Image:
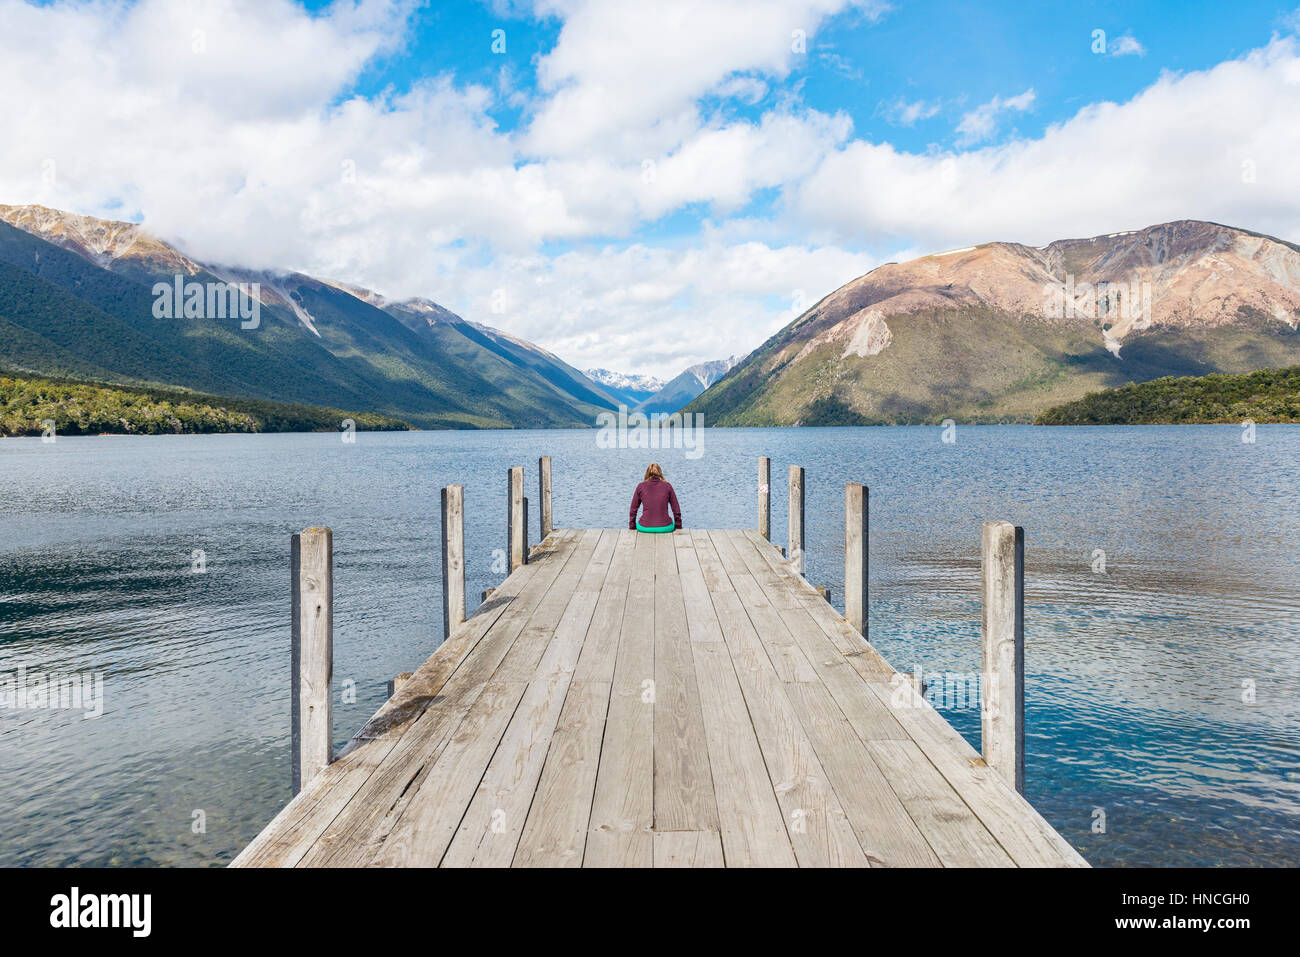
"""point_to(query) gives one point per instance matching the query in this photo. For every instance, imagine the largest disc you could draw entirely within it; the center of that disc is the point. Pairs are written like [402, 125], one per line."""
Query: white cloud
[903, 112]
[626, 74]
[1178, 150]
[657, 310]
[982, 122]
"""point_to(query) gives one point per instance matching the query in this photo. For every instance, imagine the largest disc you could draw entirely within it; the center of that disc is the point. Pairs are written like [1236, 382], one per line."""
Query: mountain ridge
[320, 342]
[970, 333]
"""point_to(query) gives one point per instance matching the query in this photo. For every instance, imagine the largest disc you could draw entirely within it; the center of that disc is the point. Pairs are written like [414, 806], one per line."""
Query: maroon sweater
[653, 497]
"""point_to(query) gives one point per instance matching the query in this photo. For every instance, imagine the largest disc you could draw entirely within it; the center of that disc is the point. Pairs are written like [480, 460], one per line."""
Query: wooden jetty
[674, 700]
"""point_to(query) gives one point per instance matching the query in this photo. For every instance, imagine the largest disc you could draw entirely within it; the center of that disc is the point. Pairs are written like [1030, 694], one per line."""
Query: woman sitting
[654, 497]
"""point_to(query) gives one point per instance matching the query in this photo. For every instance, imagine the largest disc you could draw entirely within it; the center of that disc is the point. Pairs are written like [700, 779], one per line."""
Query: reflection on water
[1162, 690]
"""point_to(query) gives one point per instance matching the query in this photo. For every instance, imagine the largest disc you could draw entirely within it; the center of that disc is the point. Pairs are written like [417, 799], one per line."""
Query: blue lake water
[1161, 696]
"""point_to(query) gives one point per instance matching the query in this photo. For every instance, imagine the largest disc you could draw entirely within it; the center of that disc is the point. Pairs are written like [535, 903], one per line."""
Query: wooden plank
[884, 828]
[957, 836]
[848, 641]
[683, 785]
[492, 824]
[869, 718]
[787, 657]
[312, 665]
[701, 618]
[751, 822]
[426, 826]
[622, 810]
[819, 830]
[1017, 825]
[1020, 829]
[356, 834]
[514, 598]
[600, 650]
[688, 849]
[525, 656]
[555, 833]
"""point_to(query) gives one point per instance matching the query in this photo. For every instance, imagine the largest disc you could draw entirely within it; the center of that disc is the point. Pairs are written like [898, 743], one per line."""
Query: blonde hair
[653, 471]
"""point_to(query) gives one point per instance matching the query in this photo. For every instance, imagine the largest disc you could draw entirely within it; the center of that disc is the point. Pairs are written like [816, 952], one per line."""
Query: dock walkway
[633, 700]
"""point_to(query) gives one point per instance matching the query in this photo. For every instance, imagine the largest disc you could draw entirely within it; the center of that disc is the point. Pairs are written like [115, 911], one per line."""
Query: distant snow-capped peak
[622, 380]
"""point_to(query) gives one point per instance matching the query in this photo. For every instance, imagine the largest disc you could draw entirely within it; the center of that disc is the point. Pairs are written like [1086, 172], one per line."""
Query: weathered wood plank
[1017, 825]
[526, 654]
[688, 849]
[622, 810]
[751, 822]
[886, 831]
[427, 825]
[819, 830]
[291, 834]
[869, 718]
[555, 833]
[354, 837]
[600, 650]
[952, 829]
[683, 785]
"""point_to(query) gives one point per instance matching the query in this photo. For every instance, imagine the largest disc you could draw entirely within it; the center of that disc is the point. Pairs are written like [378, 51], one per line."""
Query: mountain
[630, 389]
[680, 390]
[1269, 395]
[1002, 331]
[77, 301]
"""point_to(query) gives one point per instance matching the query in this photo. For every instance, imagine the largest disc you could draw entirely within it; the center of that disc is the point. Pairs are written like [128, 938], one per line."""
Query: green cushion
[665, 528]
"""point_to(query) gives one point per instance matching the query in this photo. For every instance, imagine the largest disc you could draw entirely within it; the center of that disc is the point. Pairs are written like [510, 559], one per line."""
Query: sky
[642, 186]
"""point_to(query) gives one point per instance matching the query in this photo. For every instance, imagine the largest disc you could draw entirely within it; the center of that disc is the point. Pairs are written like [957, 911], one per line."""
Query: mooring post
[795, 524]
[453, 558]
[312, 558]
[395, 684]
[525, 530]
[544, 493]
[515, 519]
[1002, 715]
[856, 543]
[765, 497]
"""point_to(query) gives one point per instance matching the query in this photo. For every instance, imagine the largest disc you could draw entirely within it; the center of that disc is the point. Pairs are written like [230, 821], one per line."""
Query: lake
[1162, 610]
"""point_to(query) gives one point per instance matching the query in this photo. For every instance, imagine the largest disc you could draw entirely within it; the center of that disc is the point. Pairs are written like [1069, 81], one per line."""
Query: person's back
[654, 497]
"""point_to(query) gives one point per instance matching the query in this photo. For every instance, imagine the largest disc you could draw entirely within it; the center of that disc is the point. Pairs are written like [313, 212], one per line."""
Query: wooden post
[544, 493]
[515, 521]
[795, 524]
[453, 558]
[856, 543]
[765, 497]
[1002, 715]
[525, 531]
[312, 555]
[395, 685]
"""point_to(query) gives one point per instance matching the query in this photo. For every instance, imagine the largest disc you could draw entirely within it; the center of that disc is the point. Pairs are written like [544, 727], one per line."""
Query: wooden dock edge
[410, 701]
[887, 683]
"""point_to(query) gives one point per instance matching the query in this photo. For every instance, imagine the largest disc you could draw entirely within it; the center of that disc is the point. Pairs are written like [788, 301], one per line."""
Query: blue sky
[624, 167]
